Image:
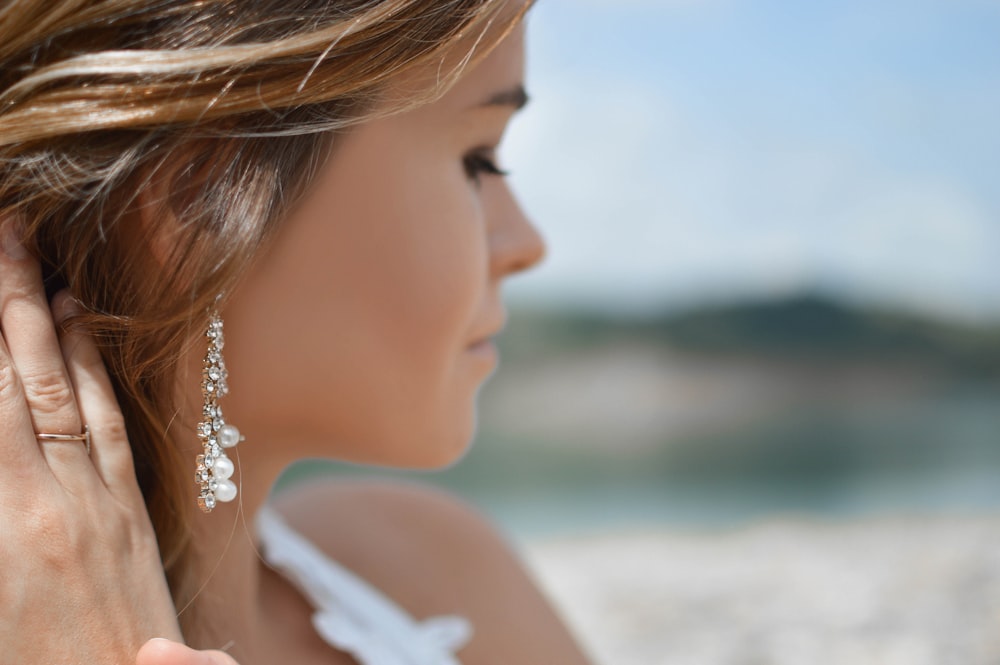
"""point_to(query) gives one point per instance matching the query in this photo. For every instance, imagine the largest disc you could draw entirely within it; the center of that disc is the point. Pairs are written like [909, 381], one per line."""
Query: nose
[515, 244]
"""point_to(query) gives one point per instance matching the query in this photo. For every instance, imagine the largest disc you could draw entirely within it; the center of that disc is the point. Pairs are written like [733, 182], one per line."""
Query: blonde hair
[98, 98]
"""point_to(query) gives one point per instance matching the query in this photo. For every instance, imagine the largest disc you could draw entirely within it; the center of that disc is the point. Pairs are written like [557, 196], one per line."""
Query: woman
[320, 176]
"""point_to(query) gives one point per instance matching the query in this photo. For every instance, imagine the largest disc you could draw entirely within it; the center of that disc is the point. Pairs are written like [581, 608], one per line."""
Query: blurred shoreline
[875, 591]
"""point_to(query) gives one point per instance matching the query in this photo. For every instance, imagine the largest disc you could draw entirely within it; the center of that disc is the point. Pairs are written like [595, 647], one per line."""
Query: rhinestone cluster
[214, 468]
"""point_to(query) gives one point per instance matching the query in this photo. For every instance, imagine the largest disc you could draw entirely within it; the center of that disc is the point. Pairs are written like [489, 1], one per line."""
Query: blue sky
[688, 150]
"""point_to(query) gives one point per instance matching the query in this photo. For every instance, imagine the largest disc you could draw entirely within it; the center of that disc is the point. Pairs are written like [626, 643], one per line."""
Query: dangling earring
[214, 468]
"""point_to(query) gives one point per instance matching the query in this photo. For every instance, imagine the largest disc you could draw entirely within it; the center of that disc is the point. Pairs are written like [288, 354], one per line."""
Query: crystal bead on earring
[213, 467]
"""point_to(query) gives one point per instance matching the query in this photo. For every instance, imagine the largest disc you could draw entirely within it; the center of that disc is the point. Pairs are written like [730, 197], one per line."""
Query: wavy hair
[100, 98]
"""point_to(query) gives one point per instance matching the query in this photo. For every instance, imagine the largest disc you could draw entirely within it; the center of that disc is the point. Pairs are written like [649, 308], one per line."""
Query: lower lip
[485, 349]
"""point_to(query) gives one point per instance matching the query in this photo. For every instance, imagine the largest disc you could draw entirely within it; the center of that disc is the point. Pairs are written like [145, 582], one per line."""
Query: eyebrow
[515, 97]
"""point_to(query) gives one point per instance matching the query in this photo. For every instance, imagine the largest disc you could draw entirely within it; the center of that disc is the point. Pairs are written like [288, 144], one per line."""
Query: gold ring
[85, 437]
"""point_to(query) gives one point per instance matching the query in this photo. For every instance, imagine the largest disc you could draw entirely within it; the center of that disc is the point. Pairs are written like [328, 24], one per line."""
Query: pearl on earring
[229, 436]
[213, 467]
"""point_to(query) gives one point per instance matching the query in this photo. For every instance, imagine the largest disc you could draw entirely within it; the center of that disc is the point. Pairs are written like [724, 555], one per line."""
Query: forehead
[502, 68]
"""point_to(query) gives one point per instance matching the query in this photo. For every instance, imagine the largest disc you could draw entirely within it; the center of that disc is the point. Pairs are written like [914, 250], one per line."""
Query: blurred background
[748, 412]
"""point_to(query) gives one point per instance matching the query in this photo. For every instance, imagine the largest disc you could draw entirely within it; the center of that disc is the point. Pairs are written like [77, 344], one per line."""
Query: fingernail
[12, 246]
[64, 305]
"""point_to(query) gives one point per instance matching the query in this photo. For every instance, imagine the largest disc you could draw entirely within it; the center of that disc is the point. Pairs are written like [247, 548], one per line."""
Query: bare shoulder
[434, 553]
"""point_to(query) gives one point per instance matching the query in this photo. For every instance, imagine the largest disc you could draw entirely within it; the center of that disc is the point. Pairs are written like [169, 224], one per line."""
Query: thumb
[159, 651]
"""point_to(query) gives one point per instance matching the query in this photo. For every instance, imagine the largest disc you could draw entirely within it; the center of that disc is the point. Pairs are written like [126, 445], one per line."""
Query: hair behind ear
[151, 148]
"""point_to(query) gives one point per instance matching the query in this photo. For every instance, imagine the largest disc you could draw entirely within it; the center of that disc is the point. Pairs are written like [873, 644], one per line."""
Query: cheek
[415, 257]
[355, 321]
[416, 262]
[422, 303]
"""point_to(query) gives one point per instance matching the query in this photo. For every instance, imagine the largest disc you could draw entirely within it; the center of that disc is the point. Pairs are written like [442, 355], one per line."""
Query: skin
[384, 276]
[72, 524]
[351, 337]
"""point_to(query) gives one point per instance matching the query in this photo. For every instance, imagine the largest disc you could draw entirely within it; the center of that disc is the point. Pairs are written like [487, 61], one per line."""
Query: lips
[491, 331]
[483, 340]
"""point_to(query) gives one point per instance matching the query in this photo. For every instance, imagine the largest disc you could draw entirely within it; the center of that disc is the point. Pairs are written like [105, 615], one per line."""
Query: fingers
[110, 452]
[19, 449]
[159, 651]
[53, 382]
[33, 348]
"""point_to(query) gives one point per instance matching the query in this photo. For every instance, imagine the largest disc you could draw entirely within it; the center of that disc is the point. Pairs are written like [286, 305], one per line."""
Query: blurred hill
[725, 413]
[807, 326]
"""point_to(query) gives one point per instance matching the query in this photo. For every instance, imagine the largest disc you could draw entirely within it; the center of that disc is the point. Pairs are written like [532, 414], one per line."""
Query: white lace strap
[352, 614]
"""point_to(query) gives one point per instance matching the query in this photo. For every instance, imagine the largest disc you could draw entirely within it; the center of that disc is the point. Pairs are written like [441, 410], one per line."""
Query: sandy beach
[915, 591]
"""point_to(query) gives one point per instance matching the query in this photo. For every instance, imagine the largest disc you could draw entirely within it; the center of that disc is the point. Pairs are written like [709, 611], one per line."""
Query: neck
[225, 572]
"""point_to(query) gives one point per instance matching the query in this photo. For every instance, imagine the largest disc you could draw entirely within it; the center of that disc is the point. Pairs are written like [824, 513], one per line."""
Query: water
[938, 454]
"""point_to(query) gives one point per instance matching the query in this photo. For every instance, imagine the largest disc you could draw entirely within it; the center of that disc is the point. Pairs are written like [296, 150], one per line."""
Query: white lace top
[351, 614]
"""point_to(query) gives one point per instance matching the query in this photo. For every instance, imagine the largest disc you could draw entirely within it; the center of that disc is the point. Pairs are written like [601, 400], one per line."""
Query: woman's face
[353, 334]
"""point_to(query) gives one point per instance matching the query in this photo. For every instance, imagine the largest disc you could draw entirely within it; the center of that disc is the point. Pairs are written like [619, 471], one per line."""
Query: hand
[81, 580]
[165, 652]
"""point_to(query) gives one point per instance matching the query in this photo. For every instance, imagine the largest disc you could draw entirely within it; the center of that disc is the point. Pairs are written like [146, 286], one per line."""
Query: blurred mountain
[726, 413]
[805, 327]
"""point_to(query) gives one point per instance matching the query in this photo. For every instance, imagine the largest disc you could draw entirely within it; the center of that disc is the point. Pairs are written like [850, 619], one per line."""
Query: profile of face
[353, 335]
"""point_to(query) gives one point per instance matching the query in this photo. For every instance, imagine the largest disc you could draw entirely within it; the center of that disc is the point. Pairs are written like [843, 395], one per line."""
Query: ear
[165, 192]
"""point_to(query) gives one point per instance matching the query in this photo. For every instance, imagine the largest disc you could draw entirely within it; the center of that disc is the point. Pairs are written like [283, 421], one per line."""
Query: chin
[440, 448]
[434, 443]
[441, 452]
[451, 456]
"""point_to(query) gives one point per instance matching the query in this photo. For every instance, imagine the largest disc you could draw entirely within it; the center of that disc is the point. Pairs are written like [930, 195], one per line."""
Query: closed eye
[479, 163]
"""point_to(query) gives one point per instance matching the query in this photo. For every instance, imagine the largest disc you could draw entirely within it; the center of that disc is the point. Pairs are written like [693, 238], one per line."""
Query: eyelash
[478, 163]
